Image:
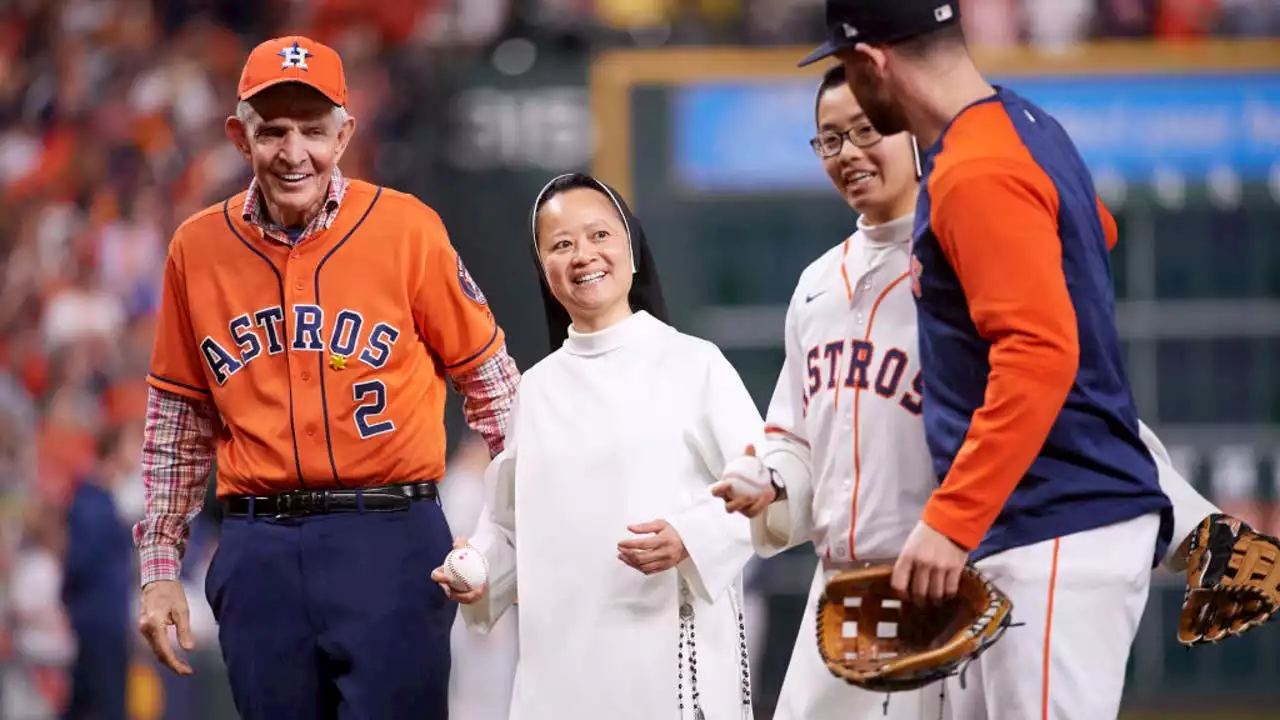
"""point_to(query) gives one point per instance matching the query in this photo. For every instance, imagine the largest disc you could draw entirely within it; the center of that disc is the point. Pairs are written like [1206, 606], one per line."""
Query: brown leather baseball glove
[1233, 580]
[870, 638]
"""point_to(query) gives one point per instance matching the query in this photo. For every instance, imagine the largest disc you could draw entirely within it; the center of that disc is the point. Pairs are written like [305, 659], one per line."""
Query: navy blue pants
[334, 616]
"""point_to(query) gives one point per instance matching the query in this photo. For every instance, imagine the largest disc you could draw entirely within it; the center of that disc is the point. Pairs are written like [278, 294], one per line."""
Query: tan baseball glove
[870, 638]
[1233, 580]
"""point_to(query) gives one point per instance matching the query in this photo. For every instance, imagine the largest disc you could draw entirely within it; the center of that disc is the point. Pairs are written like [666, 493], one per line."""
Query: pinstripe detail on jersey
[320, 357]
[857, 392]
[284, 324]
[844, 272]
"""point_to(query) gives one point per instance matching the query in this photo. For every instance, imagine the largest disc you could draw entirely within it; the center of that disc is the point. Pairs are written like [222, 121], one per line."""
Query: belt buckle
[296, 504]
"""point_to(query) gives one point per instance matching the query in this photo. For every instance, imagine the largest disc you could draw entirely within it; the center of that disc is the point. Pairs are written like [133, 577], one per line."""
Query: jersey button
[859, 317]
[297, 286]
[306, 376]
[311, 431]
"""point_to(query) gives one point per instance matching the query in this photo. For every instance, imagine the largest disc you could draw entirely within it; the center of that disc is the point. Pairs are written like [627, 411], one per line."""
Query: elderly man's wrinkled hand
[164, 603]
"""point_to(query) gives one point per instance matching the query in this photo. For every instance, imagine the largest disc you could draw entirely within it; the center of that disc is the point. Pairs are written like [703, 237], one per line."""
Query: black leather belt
[298, 503]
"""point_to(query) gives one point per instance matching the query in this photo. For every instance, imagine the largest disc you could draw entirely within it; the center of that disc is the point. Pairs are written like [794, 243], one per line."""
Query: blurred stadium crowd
[111, 115]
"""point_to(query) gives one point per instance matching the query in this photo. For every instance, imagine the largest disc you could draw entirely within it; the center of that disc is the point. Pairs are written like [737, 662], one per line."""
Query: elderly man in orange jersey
[309, 329]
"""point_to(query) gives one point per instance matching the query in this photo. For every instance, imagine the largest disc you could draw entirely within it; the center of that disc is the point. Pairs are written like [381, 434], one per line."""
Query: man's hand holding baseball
[928, 570]
[661, 550]
[163, 604]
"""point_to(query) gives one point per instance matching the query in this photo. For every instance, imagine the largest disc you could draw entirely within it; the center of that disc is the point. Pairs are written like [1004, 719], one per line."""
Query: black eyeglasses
[829, 143]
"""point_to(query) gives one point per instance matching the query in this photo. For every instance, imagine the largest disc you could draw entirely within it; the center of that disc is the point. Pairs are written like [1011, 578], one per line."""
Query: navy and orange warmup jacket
[1029, 414]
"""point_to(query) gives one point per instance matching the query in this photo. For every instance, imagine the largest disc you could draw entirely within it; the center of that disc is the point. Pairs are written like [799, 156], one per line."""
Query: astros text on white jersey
[849, 400]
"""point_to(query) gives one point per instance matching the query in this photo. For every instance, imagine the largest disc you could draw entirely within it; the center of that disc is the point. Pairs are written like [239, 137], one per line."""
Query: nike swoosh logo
[811, 298]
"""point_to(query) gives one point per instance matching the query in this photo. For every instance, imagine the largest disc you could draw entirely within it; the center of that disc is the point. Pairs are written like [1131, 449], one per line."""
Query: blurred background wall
[111, 117]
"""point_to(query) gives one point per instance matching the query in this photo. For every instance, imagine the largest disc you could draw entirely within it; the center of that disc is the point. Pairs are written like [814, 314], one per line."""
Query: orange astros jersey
[327, 361]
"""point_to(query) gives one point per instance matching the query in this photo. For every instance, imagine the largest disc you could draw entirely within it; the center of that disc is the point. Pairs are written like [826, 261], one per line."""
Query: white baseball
[467, 568]
[747, 476]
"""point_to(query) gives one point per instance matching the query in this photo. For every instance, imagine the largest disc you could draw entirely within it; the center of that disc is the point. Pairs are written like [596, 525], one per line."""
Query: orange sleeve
[449, 307]
[176, 364]
[1109, 227]
[997, 225]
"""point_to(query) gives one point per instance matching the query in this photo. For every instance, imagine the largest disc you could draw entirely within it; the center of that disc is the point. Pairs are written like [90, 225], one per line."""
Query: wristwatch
[779, 487]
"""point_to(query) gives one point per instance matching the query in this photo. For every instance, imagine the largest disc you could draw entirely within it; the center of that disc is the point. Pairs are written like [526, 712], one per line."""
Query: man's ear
[345, 133]
[875, 56]
[238, 134]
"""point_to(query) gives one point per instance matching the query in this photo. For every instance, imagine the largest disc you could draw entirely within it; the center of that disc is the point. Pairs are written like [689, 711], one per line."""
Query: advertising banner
[749, 136]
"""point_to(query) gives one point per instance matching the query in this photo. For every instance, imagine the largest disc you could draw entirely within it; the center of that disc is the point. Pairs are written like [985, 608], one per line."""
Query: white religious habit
[627, 425]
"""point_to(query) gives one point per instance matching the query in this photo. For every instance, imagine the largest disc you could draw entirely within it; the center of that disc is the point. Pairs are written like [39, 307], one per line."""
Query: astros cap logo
[294, 59]
[294, 55]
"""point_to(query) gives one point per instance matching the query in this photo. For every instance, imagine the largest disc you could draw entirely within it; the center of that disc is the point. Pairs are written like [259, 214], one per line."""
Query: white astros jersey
[845, 433]
[850, 390]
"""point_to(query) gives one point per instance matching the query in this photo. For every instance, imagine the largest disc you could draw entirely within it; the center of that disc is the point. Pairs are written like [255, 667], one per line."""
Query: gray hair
[249, 116]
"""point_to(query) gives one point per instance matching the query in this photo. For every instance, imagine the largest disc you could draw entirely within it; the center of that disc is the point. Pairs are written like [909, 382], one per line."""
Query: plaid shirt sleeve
[178, 452]
[488, 391]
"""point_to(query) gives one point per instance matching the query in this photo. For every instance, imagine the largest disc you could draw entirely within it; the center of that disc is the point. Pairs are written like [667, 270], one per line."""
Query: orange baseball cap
[294, 59]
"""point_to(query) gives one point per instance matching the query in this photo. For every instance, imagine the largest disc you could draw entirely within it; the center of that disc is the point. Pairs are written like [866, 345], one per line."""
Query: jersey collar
[255, 214]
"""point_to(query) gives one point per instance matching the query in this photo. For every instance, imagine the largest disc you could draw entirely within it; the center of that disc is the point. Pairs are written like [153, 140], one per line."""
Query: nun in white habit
[628, 570]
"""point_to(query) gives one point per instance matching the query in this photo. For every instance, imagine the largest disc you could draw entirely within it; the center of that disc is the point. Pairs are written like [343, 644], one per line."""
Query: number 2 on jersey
[367, 410]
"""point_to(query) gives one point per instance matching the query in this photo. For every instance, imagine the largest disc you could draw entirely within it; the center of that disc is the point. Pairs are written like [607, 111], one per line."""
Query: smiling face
[879, 181]
[586, 257]
[293, 143]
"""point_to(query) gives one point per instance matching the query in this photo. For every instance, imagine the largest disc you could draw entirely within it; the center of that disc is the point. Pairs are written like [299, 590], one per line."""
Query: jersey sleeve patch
[469, 286]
